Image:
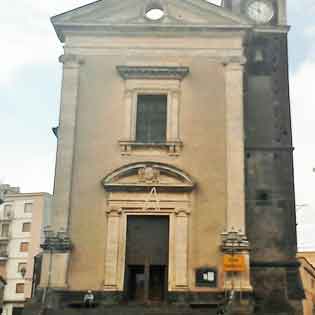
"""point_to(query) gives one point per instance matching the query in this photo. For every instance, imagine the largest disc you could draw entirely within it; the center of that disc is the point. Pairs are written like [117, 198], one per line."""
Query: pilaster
[66, 141]
[235, 144]
[181, 249]
[111, 282]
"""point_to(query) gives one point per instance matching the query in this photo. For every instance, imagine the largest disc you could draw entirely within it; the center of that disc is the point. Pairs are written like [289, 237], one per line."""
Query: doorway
[147, 249]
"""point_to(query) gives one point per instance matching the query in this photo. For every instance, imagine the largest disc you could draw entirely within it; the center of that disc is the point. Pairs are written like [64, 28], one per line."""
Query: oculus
[154, 14]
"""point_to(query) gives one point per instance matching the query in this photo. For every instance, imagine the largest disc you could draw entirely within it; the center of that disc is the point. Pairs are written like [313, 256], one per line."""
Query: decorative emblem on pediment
[148, 175]
[140, 176]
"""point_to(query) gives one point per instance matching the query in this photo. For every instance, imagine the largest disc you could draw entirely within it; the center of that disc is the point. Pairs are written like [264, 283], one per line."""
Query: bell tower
[269, 157]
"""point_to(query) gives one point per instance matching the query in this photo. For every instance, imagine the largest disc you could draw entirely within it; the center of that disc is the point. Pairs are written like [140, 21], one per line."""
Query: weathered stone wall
[270, 216]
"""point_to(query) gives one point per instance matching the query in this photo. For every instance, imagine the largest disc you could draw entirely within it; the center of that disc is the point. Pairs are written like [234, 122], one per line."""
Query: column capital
[114, 212]
[234, 63]
[71, 60]
[182, 212]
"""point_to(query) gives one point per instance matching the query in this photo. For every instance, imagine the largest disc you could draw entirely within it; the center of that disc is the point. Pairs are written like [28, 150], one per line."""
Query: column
[112, 250]
[66, 140]
[173, 116]
[235, 145]
[181, 250]
[128, 128]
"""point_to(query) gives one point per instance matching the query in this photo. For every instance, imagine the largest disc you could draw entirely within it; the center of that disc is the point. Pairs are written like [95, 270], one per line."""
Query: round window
[154, 14]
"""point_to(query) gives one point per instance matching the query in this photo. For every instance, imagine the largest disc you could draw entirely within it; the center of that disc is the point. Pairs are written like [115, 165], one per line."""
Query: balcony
[4, 255]
[6, 216]
[5, 237]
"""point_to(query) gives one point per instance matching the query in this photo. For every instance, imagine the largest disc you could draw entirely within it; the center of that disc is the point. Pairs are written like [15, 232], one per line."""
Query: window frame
[20, 265]
[7, 208]
[26, 224]
[31, 204]
[21, 247]
[137, 140]
[20, 284]
[170, 88]
[2, 230]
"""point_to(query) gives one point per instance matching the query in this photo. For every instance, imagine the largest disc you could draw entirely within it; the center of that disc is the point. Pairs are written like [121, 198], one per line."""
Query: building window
[5, 230]
[152, 100]
[28, 207]
[24, 247]
[19, 288]
[151, 118]
[3, 250]
[21, 267]
[7, 211]
[26, 227]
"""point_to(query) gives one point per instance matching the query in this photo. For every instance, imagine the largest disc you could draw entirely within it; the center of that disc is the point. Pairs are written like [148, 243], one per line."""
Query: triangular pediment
[131, 13]
[141, 176]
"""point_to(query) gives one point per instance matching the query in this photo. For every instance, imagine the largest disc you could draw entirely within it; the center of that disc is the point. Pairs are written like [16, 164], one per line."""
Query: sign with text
[234, 263]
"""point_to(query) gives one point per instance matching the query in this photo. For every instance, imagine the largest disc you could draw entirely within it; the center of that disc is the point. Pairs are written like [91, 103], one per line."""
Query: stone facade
[204, 177]
[307, 271]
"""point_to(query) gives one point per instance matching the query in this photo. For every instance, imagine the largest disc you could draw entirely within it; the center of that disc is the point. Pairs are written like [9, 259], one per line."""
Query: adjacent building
[22, 216]
[174, 175]
[307, 270]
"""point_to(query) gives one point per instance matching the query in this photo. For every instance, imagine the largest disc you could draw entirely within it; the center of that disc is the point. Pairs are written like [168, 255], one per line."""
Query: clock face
[260, 11]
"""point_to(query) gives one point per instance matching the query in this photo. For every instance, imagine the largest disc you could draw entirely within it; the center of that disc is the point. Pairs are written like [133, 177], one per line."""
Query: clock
[260, 11]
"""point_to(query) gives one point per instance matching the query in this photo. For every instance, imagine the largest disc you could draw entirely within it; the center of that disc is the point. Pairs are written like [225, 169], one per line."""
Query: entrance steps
[123, 310]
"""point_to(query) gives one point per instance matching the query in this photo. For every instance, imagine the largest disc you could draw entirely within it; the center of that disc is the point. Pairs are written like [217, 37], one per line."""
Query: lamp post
[233, 242]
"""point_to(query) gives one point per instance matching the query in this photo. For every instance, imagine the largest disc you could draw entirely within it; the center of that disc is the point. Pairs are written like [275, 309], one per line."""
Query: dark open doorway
[147, 258]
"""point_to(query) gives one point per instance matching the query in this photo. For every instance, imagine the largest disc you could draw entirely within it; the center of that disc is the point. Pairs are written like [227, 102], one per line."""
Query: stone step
[123, 310]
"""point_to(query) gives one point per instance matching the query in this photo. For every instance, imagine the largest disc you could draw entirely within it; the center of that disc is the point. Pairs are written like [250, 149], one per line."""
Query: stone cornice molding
[71, 60]
[182, 212]
[149, 72]
[114, 212]
[235, 62]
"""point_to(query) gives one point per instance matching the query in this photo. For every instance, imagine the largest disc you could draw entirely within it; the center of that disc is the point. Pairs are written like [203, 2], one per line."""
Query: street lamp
[233, 244]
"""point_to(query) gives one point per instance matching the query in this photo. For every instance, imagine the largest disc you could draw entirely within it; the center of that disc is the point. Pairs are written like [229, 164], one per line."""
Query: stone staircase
[36, 309]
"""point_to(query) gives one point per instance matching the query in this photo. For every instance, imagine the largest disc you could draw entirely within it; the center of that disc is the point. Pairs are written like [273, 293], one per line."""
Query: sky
[30, 91]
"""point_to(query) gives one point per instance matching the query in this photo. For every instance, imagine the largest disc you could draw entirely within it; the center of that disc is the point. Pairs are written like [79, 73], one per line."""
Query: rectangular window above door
[151, 118]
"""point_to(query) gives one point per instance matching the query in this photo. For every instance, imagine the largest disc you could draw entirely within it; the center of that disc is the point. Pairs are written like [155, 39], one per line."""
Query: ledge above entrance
[145, 175]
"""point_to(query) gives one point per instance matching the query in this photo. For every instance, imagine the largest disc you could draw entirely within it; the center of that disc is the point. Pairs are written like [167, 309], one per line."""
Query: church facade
[174, 176]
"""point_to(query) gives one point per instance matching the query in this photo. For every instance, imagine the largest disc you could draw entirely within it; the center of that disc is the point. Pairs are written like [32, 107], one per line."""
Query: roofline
[305, 252]
[59, 24]
[307, 261]
[72, 10]
[21, 195]
[225, 11]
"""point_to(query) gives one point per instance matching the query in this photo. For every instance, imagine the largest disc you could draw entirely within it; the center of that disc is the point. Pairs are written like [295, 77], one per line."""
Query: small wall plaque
[206, 277]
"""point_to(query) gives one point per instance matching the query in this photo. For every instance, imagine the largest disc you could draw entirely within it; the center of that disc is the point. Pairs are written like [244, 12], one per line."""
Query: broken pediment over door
[141, 176]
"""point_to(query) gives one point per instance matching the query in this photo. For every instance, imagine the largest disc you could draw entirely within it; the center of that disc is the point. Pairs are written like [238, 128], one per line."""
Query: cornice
[64, 30]
[71, 60]
[139, 72]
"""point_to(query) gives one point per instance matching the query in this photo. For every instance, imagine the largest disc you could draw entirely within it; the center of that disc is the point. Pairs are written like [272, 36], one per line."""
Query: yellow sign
[234, 263]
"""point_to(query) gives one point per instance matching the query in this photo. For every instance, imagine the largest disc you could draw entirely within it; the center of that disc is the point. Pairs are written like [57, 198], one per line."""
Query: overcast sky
[30, 88]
